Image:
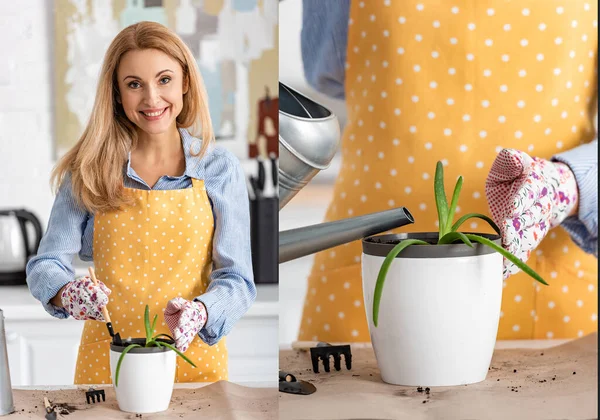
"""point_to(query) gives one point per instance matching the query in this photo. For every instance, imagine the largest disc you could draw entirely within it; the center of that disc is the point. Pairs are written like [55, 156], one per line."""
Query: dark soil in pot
[141, 342]
[381, 245]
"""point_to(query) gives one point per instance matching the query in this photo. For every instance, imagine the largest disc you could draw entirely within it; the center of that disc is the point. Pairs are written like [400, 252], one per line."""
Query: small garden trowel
[50, 412]
[116, 337]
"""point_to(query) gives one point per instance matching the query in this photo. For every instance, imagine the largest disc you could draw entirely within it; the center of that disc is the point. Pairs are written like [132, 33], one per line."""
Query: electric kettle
[16, 246]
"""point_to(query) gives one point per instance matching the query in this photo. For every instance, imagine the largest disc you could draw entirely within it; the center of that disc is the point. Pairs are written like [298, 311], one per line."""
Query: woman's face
[151, 89]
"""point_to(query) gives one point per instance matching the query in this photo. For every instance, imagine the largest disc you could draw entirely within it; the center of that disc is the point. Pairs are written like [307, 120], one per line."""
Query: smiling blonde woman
[159, 209]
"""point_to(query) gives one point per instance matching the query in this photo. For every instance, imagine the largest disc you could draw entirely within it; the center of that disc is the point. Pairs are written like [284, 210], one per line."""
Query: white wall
[26, 106]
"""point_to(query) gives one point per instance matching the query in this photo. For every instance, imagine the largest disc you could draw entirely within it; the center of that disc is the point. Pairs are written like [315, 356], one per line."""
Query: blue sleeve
[583, 227]
[52, 267]
[323, 40]
[231, 290]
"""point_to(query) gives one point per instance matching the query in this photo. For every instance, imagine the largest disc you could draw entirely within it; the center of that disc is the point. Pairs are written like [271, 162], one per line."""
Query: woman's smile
[153, 114]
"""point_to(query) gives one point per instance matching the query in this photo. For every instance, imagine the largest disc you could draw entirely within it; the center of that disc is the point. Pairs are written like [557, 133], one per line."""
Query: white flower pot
[146, 378]
[439, 310]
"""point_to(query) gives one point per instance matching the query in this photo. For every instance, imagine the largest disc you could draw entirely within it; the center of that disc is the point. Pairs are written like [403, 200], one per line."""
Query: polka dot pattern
[474, 82]
[156, 250]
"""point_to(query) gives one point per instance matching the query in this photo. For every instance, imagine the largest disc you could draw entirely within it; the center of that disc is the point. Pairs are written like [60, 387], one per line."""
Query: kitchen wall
[26, 106]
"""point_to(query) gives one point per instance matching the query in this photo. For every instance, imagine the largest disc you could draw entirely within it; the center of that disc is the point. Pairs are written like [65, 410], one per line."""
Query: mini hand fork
[324, 350]
[288, 383]
[94, 395]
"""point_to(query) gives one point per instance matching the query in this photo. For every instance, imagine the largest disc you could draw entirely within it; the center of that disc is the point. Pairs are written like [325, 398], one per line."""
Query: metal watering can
[309, 136]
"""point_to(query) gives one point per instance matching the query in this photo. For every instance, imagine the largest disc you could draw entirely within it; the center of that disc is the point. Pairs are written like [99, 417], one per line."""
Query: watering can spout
[296, 243]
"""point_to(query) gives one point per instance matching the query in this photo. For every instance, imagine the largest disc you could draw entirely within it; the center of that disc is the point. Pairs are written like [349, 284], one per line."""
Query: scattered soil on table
[65, 409]
[213, 401]
[544, 378]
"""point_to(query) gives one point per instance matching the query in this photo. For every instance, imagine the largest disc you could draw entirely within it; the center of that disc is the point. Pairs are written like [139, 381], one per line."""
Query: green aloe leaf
[147, 323]
[524, 267]
[179, 353]
[450, 237]
[163, 335]
[440, 197]
[454, 203]
[154, 324]
[152, 343]
[383, 273]
[129, 347]
[477, 216]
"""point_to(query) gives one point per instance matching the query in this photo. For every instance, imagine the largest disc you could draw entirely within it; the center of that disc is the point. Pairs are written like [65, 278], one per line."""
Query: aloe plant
[448, 234]
[151, 341]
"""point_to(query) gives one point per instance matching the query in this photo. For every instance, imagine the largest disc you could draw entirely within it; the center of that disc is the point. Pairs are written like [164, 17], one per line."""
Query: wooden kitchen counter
[559, 382]
[219, 400]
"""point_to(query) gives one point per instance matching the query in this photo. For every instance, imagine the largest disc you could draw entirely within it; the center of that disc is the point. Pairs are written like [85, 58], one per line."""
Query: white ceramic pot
[439, 310]
[146, 378]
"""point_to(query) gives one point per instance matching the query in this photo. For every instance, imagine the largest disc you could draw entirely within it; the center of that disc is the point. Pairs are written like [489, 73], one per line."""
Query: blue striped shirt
[231, 290]
[324, 38]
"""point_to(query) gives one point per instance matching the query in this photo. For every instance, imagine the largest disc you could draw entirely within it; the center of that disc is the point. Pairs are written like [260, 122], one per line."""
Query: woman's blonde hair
[97, 160]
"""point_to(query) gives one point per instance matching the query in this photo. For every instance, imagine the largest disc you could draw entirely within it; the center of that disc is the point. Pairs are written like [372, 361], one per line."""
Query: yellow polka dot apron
[158, 249]
[457, 82]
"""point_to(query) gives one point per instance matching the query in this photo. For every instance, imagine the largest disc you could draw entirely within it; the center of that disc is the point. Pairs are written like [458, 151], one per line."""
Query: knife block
[264, 232]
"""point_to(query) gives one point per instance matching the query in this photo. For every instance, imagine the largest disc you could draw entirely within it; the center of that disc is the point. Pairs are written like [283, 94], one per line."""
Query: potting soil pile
[221, 400]
[554, 383]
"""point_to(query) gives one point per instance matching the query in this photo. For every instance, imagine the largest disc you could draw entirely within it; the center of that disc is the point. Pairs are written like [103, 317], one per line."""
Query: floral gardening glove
[84, 300]
[185, 320]
[528, 197]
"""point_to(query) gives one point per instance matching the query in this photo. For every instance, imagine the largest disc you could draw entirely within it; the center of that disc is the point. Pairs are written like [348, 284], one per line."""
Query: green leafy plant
[151, 341]
[448, 234]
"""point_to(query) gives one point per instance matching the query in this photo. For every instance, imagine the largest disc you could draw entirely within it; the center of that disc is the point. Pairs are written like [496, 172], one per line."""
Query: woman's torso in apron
[429, 81]
[149, 254]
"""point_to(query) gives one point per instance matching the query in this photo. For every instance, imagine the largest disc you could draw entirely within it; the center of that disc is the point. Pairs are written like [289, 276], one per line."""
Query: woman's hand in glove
[528, 197]
[84, 300]
[185, 320]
